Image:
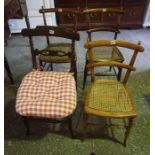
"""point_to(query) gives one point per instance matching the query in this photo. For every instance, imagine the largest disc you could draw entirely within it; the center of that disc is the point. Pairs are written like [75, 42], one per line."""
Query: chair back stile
[45, 23]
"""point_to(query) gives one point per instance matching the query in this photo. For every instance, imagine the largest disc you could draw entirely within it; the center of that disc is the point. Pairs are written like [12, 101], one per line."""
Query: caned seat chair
[71, 15]
[47, 95]
[107, 98]
[104, 53]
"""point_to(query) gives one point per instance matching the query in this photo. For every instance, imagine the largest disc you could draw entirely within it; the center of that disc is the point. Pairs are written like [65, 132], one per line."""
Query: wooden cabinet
[16, 9]
[132, 18]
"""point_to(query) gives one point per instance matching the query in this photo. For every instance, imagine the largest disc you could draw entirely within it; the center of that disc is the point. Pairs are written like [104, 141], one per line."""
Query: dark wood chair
[55, 53]
[71, 14]
[104, 53]
[47, 95]
[110, 99]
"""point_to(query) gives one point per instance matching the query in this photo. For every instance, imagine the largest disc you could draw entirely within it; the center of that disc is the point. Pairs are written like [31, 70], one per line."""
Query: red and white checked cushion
[46, 94]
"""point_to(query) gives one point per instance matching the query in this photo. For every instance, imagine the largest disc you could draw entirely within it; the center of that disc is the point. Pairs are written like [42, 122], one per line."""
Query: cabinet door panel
[133, 15]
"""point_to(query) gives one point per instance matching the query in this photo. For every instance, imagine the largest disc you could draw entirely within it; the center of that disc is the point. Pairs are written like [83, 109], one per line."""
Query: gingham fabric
[46, 94]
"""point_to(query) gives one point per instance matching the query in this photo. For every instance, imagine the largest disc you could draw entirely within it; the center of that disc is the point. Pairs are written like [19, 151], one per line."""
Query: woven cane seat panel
[111, 97]
[106, 54]
[61, 47]
[46, 94]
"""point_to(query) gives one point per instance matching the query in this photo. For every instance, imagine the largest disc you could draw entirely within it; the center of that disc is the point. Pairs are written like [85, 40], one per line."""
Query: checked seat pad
[46, 94]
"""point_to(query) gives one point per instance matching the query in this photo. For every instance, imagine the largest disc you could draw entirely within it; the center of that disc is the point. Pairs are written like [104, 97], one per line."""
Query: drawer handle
[92, 15]
[110, 15]
[132, 13]
[70, 16]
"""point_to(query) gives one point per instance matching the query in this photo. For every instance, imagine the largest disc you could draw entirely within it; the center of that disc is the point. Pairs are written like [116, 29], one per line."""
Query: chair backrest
[119, 43]
[69, 12]
[49, 31]
[104, 14]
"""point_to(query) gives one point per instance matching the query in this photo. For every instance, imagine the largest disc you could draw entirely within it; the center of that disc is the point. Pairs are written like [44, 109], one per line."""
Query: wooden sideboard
[132, 18]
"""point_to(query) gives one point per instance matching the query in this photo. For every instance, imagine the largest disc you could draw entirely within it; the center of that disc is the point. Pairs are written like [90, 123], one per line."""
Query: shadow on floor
[147, 98]
[15, 129]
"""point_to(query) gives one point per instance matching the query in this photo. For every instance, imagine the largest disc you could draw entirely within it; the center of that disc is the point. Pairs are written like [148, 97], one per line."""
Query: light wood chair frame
[129, 67]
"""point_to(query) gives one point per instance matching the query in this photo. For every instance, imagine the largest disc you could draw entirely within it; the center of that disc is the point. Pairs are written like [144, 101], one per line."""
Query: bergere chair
[107, 98]
[104, 53]
[47, 95]
[71, 15]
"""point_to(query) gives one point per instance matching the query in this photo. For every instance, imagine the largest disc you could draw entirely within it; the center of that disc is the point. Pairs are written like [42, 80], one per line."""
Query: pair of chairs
[51, 96]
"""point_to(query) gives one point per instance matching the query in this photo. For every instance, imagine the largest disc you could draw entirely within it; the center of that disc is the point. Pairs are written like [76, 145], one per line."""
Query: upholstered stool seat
[46, 94]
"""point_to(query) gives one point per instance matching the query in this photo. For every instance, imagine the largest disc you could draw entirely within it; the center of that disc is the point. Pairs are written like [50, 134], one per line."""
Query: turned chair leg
[69, 122]
[128, 129]
[85, 120]
[75, 72]
[26, 123]
[73, 68]
[85, 75]
[51, 66]
[119, 74]
[110, 68]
